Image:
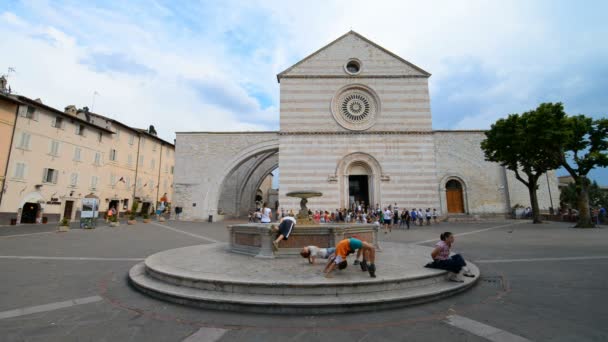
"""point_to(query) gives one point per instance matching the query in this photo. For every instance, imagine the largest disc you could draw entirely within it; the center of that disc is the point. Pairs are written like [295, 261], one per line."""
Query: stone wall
[204, 160]
[406, 173]
[488, 188]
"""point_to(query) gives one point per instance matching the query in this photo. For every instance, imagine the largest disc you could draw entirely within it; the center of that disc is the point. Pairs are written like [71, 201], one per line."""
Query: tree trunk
[534, 202]
[584, 216]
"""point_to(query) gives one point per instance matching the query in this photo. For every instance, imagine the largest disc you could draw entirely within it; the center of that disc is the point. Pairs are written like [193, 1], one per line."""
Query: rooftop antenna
[95, 93]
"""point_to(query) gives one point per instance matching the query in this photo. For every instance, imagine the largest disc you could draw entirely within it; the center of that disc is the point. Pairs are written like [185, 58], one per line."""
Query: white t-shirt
[387, 214]
[266, 215]
[318, 252]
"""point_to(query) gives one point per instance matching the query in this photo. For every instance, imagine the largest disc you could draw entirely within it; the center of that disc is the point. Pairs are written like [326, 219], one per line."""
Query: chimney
[71, 109]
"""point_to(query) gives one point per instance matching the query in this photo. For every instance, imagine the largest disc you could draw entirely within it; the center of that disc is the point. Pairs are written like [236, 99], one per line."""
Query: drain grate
[494, 281]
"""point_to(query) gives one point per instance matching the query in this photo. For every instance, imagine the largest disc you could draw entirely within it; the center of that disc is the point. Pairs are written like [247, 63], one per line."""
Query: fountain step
[294, 304]
[209, 276]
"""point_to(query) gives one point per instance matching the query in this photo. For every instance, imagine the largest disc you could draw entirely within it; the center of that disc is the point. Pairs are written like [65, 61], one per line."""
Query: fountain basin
[255, 239]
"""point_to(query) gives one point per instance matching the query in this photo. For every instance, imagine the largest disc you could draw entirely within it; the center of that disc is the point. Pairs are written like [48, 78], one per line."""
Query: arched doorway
[29, 212]
[358, 175]
[454, 198]
[358, 184]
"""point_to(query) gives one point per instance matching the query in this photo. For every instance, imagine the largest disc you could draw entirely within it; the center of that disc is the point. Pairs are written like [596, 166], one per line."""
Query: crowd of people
[388, 217]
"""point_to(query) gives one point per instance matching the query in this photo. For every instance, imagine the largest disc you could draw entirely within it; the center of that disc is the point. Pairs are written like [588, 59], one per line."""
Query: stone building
[355, 124]
[53, 158]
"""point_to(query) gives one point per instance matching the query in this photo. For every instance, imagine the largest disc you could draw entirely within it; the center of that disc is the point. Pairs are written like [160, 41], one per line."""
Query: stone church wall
[307, 161]
[203, 160]
[459, 156]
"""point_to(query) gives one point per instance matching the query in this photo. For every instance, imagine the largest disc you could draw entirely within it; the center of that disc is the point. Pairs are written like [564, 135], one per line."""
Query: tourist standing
[420, 216]
[387, 220]
[266, 214]
[428, 216]
[434, 215]
[413, 214]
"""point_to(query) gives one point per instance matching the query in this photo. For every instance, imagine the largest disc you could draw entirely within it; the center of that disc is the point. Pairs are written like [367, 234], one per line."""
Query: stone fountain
[245, 274]
[303, 217]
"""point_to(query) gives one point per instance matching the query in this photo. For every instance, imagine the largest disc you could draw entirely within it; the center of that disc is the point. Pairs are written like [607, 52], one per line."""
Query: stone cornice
[355, 77]
[360, 133]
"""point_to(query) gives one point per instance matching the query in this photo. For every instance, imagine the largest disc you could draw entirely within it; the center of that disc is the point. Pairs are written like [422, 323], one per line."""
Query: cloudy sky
[212, 65]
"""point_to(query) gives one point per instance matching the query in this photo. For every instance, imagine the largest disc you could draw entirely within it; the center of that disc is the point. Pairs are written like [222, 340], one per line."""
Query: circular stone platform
[210, 276]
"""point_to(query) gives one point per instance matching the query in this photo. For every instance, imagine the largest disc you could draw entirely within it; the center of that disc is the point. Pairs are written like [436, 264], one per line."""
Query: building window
[125, 204]
[80, 130]
[171, 169]
[30, 112]
[54, 148]
[94, 180]
[74, 180]
[141, 160]
[58, 122]
[24, 142]
[151, 184]
[130, 160]
[77, 151]
[166, 168]
[117, 135]
[99, 136]
[131, 138]
[50, 176]
[19, 171]
[143, 142]
[112, 179]
[167, 152]
[98, 158]
[128, 181]
[112, 154]
[154, 146]
[152, 164]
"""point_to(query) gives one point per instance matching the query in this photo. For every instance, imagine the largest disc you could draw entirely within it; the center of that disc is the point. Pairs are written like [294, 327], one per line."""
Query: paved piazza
[539, 283]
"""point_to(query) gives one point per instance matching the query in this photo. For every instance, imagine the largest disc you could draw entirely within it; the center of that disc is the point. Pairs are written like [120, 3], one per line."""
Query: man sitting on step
[350, 245]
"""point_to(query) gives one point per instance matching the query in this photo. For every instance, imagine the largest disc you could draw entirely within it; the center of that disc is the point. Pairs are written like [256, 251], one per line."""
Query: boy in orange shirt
[350, 245]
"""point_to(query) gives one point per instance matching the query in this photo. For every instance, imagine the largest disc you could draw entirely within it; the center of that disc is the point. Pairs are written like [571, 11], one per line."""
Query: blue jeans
[454, 264]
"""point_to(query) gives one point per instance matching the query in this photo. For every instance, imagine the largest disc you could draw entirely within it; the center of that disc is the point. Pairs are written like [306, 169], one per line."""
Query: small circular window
[353, 67]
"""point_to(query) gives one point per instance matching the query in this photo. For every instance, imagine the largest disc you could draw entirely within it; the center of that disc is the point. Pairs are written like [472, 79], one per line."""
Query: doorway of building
[145, 208]
[67, 211]
[29, 212]
[453, 191]
[358, 189]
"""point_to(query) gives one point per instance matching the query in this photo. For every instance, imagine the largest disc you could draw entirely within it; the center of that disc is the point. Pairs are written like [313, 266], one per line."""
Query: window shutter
[55, 174]
[53, 122]
[23, 111]
[44, 172]
[24, 171]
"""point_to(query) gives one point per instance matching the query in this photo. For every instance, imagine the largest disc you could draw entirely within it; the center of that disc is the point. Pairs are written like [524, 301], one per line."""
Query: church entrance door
[358, 189]
[453, 190]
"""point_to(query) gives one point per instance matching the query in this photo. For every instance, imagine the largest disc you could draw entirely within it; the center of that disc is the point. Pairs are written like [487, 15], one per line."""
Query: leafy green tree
[569, 195]
[586, 144]
[526, 145]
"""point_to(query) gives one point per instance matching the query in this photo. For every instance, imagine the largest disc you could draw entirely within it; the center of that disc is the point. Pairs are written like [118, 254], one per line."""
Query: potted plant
[64, 225]
[146, 217]
[114, 221]
[132, 220]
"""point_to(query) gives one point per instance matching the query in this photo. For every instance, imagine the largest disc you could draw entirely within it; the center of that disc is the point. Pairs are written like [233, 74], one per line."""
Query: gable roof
[351, 32]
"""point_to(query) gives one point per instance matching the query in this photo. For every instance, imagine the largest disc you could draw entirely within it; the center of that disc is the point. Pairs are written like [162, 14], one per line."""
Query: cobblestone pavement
[543, 282]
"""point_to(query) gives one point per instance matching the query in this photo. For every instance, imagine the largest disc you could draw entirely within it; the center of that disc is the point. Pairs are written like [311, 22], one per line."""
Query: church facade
[356, 125]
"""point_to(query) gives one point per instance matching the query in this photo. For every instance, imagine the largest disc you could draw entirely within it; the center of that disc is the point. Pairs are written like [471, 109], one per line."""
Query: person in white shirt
[286, 225]
[313, 252]
[387, 216]
[266, 214]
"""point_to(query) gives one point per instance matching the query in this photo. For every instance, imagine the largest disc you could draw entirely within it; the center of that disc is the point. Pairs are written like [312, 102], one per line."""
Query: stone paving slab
[216, 263]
